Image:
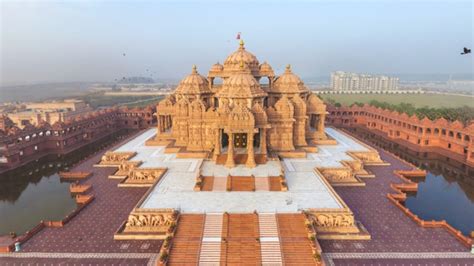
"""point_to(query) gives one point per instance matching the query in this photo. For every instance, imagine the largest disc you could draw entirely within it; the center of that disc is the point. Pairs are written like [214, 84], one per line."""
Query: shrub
[164, 256]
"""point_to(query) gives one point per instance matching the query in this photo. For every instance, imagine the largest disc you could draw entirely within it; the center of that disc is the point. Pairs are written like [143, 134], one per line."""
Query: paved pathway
[391, 229]
[92, 230]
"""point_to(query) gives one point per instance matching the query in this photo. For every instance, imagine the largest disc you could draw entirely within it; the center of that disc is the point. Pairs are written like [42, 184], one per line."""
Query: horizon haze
[85, 41]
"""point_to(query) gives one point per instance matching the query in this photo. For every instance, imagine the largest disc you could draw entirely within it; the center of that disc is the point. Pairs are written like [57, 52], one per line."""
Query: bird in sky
[466, 51]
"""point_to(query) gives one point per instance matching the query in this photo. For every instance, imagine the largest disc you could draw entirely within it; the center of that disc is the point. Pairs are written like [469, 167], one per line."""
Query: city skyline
[85, 41]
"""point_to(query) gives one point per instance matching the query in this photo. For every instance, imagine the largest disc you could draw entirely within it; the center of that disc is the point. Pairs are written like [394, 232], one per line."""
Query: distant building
[50, 112]
[346, 81]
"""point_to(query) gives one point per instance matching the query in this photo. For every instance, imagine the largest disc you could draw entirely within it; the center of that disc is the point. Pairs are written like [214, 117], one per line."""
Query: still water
[35, 192]
[447, 191]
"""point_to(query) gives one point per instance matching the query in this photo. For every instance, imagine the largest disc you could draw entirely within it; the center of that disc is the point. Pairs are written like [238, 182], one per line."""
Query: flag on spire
[238, 36]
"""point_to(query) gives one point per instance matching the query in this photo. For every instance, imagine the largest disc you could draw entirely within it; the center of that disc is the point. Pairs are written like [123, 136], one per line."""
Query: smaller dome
[289, 83]
[217, 67]
[193, 84]
[266, 69]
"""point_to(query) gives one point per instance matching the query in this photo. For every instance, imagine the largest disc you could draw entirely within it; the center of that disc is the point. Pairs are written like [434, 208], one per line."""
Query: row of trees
[465, 114]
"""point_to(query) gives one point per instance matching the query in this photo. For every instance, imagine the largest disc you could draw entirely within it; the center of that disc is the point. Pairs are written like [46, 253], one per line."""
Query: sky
[64, 41]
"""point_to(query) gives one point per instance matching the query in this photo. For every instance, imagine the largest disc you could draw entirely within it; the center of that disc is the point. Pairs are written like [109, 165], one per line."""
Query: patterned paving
[93, 228]
[390, 229]
[396, 240]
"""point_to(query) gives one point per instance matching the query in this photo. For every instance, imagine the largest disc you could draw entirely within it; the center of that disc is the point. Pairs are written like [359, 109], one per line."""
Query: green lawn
[417, 100]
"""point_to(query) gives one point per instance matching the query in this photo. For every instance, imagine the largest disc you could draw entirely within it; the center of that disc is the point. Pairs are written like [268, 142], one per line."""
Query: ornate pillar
[160, 124]
[263, 141]
[250, 154]
[230, 152]
[217, 147]
[322, 117]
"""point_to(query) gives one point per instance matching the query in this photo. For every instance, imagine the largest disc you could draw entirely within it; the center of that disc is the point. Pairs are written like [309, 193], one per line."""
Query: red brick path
[93, 228]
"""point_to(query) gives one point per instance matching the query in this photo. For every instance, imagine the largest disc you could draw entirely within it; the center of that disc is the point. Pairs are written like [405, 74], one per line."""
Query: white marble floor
[306, 188]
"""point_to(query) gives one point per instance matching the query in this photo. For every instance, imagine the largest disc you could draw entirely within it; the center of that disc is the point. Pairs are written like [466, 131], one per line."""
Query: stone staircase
[211, 242]
[295, 246]
[187, 241]
[249, 238]
[269, 239]
[220, 184]
[262, 184]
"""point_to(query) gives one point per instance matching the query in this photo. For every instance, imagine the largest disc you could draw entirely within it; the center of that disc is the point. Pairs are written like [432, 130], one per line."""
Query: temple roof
[241, 85]
[233, 61]
[289, 83]
[194, 83]
[266, 70]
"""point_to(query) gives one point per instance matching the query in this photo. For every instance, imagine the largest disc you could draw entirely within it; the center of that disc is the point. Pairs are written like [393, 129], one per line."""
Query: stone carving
[145, 175]
[333, 220]
[126, 167]
[116, 158]
[369, 157]
[149, 222]
[340, 174]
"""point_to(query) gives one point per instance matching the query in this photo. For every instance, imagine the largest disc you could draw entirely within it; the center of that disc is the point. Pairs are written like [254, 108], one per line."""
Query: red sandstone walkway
[391, 230]
[93, 228]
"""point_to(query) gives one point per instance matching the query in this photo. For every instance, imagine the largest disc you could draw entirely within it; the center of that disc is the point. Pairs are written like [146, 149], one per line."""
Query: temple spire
[194, 69]
[242, 47]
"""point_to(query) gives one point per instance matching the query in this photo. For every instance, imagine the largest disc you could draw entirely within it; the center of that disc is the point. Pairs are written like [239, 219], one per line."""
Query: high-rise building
[346, 81]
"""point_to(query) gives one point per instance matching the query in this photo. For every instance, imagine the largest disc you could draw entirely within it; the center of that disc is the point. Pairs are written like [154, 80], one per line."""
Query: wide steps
[295, 246]
[213, 226]
[270, 252]
[187, 241]
[262, 184]
[268, 225]
[269, 239]
[220, 184]
[210, 253]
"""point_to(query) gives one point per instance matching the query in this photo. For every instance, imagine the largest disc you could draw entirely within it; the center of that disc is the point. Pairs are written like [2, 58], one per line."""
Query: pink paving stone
[93, 228]
[406, 262]
[390, 228]
[65, 262]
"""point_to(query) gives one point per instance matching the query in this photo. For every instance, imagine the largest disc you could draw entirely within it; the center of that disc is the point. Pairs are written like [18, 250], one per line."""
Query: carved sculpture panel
[369, 157]
[145, 175]
[149, 222]
[115, 158]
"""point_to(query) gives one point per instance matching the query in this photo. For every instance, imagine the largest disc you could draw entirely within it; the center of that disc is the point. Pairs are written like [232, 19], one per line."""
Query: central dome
[233, 61]
[241, 85]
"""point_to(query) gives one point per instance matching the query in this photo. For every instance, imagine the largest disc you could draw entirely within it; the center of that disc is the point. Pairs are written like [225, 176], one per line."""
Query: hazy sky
[84, 40]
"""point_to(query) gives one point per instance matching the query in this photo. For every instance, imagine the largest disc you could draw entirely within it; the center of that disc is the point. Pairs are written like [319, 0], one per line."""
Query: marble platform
[306, 188]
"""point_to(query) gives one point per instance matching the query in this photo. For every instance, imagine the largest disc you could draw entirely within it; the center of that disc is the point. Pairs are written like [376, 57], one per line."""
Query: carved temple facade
[241, 107]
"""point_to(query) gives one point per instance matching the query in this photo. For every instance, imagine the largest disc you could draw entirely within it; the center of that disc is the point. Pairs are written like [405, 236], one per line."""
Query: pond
[447, 191]
[35, 192]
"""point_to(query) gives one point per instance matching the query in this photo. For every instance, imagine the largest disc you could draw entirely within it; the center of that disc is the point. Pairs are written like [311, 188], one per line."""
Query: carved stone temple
[241, 107]
[241, 146]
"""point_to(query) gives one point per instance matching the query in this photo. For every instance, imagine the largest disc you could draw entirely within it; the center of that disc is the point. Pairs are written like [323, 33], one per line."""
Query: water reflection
[447, 191]
[35, 192]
